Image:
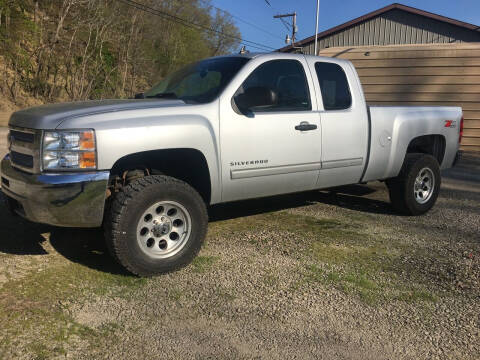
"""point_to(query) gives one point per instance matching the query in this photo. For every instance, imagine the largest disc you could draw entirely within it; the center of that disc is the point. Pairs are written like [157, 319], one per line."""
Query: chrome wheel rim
[424, 185]
[163, 229]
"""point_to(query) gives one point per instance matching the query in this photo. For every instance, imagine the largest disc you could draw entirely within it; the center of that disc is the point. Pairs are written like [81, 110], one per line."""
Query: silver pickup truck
[222, 129]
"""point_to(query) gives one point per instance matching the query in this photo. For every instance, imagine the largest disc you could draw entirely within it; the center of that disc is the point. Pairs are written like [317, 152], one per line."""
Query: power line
[286, 24]
[275, 11]
[241, 20]
[193, 25]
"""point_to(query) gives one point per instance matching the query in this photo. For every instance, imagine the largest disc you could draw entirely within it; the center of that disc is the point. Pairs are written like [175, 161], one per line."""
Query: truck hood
[52, 115]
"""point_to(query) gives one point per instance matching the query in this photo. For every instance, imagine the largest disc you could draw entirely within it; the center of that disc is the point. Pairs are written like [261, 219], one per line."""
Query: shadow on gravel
[461, 191]
[348, 197]
[243, 208]
[83, 246]
[18, 236]
[86, 247]
[351, 197]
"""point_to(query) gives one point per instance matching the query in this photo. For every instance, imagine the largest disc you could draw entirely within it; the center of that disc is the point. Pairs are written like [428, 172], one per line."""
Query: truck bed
[386, 151]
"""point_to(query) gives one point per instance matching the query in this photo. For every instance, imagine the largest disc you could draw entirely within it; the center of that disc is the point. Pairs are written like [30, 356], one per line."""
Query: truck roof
[279, 55]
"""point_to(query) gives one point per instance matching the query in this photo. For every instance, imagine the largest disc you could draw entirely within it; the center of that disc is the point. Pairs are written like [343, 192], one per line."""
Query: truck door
[344, 122]
[270, 132]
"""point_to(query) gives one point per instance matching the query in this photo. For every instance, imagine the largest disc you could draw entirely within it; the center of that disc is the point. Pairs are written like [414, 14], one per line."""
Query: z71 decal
[450, 123]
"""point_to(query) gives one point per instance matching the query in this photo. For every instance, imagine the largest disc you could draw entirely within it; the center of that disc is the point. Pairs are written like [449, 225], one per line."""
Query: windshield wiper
[170, 95]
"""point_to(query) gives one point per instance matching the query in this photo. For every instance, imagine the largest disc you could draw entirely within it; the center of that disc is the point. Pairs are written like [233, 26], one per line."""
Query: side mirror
[140, 96]
[255, 97]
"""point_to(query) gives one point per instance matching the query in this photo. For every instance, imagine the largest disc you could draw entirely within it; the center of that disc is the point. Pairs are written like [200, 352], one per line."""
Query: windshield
[200, 82]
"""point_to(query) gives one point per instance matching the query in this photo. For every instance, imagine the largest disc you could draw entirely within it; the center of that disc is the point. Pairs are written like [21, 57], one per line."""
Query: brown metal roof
[379, 12]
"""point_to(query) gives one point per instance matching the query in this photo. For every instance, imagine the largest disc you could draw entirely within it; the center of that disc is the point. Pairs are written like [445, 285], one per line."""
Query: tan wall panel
[471, 124]
[472, 115]
[408, 54]
[420, 71]
[405, 80]
[430, 62]
[473, 106]
[470, 148]
[416, 88]
[452, 97]
[399, 48]
[470, 140]
[472, 132]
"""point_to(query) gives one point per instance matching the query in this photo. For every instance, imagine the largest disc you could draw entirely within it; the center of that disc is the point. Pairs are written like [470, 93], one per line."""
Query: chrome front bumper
[69, 199]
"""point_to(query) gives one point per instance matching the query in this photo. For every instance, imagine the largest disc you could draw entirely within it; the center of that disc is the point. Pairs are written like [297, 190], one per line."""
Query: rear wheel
[156, 224]
[415, 190]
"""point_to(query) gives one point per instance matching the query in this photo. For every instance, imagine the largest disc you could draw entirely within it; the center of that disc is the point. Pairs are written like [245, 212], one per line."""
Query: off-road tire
[128, 205]
[401, 188]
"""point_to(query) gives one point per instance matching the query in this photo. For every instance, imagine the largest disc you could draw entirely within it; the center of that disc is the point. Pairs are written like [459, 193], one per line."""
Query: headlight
[64, 150]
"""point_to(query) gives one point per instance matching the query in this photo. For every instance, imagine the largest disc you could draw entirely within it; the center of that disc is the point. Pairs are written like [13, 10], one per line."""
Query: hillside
[69, 50]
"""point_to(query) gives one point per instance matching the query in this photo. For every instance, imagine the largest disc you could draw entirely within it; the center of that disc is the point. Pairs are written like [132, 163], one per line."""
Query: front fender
[123, 133]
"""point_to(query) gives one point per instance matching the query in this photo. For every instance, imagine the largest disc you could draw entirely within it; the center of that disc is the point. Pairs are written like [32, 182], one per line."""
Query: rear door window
[334, 86]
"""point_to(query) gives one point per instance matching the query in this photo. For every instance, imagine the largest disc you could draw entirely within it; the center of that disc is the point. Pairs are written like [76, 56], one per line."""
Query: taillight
[461, 131]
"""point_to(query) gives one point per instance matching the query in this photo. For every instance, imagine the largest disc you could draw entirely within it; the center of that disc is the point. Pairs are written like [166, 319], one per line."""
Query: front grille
[25, 149]
[23, 160]
[22, 136]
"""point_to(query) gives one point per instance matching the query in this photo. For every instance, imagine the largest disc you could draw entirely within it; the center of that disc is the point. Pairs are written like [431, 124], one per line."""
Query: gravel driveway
[320, 275]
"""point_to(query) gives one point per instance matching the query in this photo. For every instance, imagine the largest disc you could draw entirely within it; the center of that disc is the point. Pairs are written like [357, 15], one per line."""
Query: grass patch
[225, 295]
[37, 305]
[361, 281]
[339, 253]
[345, 256]
[270, 279]
[342, 253]
[273, 221]
[372, 289]
[368, 290]
[203, 263]
[417, 295]
[175, 294]
[351, 283]
[315, 273]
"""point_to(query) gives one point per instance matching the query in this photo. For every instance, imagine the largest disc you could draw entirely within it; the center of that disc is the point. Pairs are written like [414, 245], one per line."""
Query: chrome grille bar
[25, 149]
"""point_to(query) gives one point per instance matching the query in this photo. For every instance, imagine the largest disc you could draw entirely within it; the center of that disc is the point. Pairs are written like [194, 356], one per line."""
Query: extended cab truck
[222, 129]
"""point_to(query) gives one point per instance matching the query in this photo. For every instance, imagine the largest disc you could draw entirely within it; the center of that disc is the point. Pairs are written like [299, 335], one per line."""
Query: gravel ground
[321, 275]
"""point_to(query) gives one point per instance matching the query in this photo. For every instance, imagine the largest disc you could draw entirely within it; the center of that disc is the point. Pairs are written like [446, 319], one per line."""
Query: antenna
[316, 28]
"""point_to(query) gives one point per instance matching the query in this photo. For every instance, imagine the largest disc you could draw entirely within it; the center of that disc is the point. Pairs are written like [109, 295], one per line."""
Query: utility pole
[316, 28]
[294, 26]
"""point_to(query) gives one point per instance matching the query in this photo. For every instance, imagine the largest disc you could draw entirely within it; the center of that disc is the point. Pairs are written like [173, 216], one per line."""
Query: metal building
[406, 56]
[392, 25]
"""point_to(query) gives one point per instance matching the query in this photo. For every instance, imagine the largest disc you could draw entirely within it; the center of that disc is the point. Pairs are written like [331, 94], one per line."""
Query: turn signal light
[87, 141]
[87, 160]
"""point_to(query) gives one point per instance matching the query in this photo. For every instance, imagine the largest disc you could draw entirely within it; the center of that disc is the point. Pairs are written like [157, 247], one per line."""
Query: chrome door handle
[305, 126]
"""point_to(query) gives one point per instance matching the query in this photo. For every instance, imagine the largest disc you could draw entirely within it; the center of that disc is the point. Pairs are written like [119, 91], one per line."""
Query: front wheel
[156, 224]
[415, 190]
